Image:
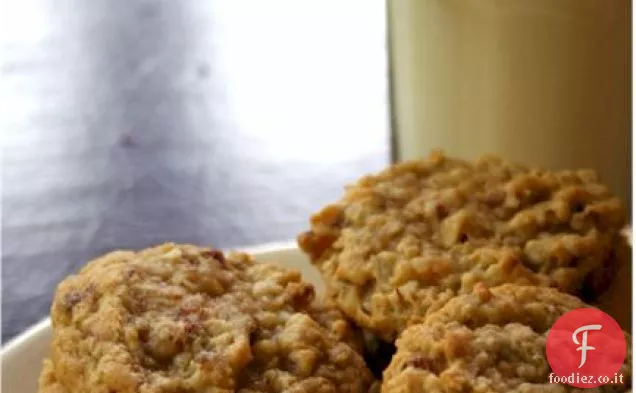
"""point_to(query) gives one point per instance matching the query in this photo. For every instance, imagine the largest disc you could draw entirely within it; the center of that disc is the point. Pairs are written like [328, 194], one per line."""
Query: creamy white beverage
[541, 82]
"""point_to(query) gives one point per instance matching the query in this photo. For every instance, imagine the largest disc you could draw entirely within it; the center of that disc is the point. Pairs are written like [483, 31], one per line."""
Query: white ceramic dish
[22, 357]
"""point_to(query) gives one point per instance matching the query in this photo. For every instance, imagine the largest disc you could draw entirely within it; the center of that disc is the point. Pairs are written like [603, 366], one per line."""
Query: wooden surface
[130, 123]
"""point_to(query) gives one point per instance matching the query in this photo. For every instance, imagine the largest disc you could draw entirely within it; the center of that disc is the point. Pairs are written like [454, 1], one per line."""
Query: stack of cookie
[463, 266]
[428, 251]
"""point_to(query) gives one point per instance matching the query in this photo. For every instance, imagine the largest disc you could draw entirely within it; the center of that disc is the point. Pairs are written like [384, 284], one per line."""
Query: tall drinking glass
[540, 82]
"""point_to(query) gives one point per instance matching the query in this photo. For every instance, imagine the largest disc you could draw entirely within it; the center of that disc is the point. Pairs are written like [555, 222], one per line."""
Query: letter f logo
[584, 347]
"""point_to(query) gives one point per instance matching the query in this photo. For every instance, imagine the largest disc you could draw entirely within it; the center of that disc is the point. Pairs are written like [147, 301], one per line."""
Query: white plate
[22, 357]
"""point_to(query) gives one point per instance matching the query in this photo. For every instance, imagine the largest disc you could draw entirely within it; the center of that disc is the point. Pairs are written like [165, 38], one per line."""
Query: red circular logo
[586, 348]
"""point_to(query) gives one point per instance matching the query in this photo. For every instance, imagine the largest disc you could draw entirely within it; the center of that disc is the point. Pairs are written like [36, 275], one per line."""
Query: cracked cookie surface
[402, 242]
[179, 318]
[487, 341]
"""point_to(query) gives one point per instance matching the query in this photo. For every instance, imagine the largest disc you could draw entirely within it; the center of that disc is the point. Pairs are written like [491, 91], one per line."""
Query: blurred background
[130, 123]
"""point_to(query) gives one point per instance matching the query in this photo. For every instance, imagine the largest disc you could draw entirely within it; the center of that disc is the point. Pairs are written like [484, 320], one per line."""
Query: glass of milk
[540, 82]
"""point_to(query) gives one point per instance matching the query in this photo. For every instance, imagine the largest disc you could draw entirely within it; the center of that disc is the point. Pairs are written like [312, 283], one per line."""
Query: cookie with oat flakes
[179, 318]
[487, 341]
[402, 242]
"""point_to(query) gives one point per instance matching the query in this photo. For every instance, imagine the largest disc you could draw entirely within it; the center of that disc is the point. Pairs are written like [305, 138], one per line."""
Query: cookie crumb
[481, 290]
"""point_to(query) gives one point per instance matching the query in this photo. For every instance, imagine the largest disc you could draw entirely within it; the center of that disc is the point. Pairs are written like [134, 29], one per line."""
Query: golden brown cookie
[48, 380]
[178, 318]
[532, 306]
[487, 341]
[406, 240]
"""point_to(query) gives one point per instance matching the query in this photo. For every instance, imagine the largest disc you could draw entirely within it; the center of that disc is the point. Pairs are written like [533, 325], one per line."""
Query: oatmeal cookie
[532, 306]
[486, 341]
[179, 318]
[406, 240]
[48, 380]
